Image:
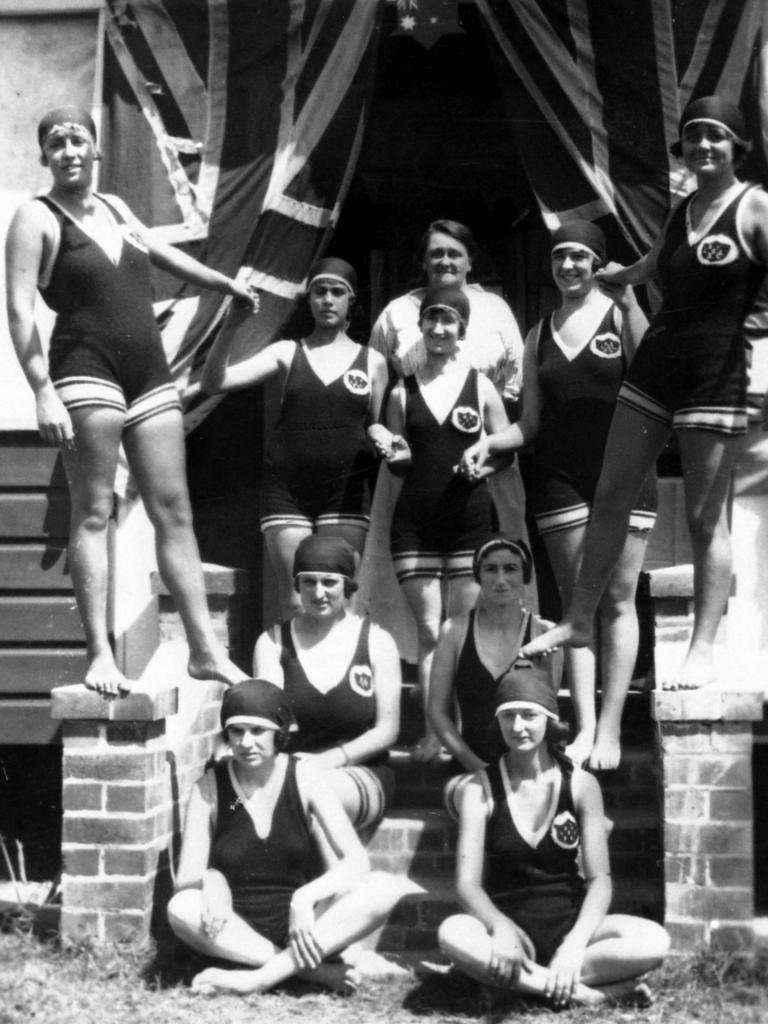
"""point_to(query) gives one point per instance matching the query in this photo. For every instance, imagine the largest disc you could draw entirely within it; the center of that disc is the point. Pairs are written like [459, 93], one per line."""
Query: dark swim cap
[520, 689]
[257, 702]
[715, 110]
[65, 117]
[445, 296]
[582, 233]
[501, 542]
[325, 553]
[333, 269]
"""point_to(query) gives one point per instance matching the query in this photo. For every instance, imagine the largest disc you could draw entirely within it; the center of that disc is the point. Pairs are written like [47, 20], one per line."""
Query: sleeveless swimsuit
[318, 460]
[263, 874]
[539, 887]
[578, 398]
[106, 348]
[690, 370]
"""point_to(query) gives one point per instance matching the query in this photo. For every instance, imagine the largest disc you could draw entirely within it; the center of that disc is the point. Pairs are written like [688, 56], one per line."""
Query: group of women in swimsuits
[272, 874]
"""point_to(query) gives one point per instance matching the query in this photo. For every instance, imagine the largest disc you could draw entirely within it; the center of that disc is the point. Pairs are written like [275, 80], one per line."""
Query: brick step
[413, 923]
[633, 784]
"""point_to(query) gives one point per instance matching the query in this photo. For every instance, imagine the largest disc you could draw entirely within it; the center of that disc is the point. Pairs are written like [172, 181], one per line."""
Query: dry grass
[42, 982]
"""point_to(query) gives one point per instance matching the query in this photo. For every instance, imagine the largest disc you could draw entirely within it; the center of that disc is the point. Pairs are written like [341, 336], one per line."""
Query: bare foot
[581, 748]
[340, 978]
[216, 979]
[696, 671]
[216, 666]
[427, 749]
[565, 634]
[606, 753]
[104, 677]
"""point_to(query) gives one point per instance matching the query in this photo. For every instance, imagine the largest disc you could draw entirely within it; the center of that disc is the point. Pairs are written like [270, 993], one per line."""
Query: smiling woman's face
[446, 260]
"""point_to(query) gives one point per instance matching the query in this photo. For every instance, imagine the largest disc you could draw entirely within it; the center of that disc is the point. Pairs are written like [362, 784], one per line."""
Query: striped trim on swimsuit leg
[82, 392]
[159, 400]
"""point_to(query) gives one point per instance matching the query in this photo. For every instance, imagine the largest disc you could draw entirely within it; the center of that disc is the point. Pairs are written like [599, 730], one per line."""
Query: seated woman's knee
[184, 910]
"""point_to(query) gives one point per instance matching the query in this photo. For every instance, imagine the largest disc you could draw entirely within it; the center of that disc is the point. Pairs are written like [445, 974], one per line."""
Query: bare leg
[155, 450]
[708, 460]
[623, 949]
[619, 633]
[634, 442]
[424, 597]
[90, 470]
[564, 549]
[281, 543]
[352, 917]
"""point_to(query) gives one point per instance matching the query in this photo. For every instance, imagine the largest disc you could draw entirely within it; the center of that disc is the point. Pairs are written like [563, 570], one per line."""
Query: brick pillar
[705, 748]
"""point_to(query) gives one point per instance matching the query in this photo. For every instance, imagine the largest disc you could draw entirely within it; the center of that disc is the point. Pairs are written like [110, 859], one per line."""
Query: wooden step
[34, 567]
[26, 462]
[44, 619]
[37, 670]
[28, 721]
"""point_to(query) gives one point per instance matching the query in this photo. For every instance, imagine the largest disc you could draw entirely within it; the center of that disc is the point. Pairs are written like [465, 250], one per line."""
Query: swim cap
[325, 553]
[714, 110]
[583, 233]
[445, 296]
[65, 118]
[520, 690]
[500, 541]
[257, 702]
[333, 269]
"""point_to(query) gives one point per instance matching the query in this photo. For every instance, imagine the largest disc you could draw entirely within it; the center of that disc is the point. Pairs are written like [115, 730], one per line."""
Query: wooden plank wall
[41, 639]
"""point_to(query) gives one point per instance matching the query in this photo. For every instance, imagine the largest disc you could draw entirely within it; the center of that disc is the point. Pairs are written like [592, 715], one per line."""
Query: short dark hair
[448, 227]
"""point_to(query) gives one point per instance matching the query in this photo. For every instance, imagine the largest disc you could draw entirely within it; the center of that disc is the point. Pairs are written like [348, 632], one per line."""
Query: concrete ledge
[219, 579]
[716, 703]
[146, 703]
[673, 581]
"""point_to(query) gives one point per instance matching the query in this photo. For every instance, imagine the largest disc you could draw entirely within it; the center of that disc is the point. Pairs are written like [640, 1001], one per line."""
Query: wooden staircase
[41, 639]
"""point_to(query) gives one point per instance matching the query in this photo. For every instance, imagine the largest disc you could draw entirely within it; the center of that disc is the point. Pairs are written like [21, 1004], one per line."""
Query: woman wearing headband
[689, 375]
[532, 870]
[249, 888]
[474, 651]
[575, 362]
[441, 514]
[106, 381]
[318, 460]
[342, 676]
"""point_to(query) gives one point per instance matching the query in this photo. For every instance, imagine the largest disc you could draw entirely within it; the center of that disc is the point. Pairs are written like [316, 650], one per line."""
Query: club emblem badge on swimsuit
[357, 382]
[565, 831]
[607, 346]
[465, 419]
[361, 680]
[716, 250]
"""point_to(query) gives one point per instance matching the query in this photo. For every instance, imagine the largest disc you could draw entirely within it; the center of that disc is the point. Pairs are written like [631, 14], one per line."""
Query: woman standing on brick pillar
[249, 885]
[533, 874]
[342, 675]
[689, 375]
[107, 382]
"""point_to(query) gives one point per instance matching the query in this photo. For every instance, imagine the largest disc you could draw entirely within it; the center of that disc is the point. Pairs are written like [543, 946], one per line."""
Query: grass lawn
[41, 982]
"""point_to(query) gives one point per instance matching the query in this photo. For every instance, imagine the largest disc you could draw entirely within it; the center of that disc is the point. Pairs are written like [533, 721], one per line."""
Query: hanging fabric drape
[595, 89]
[236, 125]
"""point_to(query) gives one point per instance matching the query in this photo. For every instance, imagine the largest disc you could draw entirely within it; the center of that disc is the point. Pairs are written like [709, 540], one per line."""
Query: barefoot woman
[528, 823]
[108, 381]
[249, 889]
[690, 375]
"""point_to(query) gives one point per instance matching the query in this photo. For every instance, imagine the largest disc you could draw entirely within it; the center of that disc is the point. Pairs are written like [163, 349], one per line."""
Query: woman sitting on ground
[474, 651]
[249, 886]
[534, 921]
[342, 675]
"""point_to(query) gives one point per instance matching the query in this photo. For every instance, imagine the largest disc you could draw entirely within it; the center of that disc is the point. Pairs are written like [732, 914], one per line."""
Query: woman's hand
[388, 445]
[244, 294]
[53, 420]
[216, 903]
[301, 932]
[565, 971]
[473, 459]
[507, 956]
[612, 282]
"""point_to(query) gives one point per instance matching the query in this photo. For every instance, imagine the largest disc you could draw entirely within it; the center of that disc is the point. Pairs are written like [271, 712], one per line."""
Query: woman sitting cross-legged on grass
[250, 884]
[534, 921]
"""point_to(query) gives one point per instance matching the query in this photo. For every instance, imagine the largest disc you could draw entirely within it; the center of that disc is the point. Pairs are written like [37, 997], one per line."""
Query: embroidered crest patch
[716, 250]
[466, 419]
[607, 346]
[565, 831]
[361, 680]
[357, 382]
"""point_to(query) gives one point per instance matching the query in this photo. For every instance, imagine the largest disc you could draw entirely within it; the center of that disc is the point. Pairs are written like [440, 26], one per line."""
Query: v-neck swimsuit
[440, 515]
[691, 368]
[106, 348]
[538, 887]
[578, 398]
[263, 874]
[318, 461]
